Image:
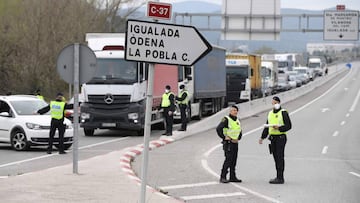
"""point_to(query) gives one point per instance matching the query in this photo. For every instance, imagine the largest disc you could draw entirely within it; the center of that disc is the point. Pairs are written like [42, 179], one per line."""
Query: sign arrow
[164, 43]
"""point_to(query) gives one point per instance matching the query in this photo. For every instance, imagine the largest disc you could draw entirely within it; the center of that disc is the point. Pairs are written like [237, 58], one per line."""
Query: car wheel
[89, 132]
[19, 141]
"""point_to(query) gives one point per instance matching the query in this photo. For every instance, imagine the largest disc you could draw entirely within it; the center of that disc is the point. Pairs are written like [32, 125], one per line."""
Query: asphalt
[106, 178]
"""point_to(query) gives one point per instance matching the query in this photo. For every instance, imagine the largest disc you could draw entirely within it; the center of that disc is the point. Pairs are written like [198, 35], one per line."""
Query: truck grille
[116, 99]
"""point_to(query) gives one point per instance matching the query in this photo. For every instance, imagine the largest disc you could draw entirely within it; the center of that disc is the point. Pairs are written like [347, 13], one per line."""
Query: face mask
[276, 106]
[167, 91]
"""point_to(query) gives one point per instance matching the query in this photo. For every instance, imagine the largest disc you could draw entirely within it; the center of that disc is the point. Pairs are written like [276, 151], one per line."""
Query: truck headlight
[133, 116]
[85, 116]
[33, 126]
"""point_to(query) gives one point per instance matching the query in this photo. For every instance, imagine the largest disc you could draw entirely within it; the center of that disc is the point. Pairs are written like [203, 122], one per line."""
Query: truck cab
[115, 98]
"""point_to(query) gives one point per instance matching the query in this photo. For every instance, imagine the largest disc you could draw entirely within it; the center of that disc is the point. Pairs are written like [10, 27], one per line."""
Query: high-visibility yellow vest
[40, 96]
[165, 102]
[234, 128]
[57, 109]
[275, 119]
[186, 100]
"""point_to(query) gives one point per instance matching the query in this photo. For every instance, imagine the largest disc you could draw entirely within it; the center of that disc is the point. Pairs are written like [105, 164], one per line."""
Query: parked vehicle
[269, 73]
[115, 97]
[205, 82]
[243, 77]
[22, 127]
[295, 80]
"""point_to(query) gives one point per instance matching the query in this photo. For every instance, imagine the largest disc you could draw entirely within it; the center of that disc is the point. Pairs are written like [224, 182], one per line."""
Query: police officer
[278, 123]
[38, 94]
[168, 105]
[57, 110]
[229, 130]
[183, 100]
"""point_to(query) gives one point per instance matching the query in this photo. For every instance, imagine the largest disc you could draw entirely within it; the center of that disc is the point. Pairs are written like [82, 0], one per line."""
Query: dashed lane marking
[324, 150]
[355, 174]
[336, 133]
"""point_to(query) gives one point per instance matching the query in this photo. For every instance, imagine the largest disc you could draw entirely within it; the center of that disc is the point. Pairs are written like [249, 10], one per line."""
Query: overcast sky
[300, 4]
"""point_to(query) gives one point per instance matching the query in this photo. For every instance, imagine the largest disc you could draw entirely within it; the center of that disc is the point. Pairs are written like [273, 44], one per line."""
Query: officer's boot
[233, 177]
[279, 179]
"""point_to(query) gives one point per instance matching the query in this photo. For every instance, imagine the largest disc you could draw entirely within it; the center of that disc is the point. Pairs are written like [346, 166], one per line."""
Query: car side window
[4, 108]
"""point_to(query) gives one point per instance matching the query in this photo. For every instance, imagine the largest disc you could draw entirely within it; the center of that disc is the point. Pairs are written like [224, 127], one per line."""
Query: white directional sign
[164, 43]
[341, 25]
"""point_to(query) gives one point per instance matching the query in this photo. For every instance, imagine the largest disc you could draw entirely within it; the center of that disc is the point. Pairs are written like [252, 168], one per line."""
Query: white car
[22, 127]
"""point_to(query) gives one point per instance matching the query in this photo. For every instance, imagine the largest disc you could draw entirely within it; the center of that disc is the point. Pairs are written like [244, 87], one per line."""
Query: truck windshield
[115, 71]
[237, 71]
[314, 65]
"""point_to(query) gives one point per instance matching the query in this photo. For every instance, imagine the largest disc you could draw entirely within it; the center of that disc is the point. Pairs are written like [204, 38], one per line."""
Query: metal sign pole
[147, 131]
[76, 106]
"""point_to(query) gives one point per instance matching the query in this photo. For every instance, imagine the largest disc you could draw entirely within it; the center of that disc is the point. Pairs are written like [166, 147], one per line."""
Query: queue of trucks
[115, 97]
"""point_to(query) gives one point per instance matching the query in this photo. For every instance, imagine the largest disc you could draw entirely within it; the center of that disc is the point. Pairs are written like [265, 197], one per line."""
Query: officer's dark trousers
[230, 151]
[169, 120]
[59, 125]
[183, 116]
[278, 147]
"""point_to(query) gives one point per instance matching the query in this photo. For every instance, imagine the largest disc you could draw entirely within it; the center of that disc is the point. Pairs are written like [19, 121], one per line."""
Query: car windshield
[28, 107]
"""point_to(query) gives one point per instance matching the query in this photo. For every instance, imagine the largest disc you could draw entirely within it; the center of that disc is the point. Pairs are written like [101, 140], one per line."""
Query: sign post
[160, 43]
[76, 64]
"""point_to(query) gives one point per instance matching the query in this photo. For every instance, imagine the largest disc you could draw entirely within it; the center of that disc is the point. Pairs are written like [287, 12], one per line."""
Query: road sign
[159, 10]
[340, 7]
[164, 43]
[87, 64]
[341, 25]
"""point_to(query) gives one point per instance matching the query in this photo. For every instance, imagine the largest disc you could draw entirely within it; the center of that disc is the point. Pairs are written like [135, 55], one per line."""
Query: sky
[299, 4]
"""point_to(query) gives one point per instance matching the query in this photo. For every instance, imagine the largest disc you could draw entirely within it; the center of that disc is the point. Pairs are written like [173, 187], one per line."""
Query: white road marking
[207, 168]
[336, 133]
[325, 110]
[342, 122]
[210, 196]
[45, 156]
[355, 174]
[172, 187]
[324, 150]
[353, 106]
[347, 115]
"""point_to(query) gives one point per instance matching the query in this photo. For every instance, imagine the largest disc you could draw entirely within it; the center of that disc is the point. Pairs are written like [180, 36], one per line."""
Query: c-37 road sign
[164, 43]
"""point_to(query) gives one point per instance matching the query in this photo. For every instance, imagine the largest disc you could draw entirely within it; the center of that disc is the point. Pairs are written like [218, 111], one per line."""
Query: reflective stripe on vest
[186, 100]
[165, 102]
[57, 109]
[275, 119]
[234, 128]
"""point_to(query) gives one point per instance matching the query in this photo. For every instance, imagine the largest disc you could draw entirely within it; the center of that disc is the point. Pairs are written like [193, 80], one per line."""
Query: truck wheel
[89, 132]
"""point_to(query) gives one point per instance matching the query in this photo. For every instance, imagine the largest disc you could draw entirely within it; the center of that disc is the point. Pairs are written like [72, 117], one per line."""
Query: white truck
[317, 65]
[115, 98]
[269, 73]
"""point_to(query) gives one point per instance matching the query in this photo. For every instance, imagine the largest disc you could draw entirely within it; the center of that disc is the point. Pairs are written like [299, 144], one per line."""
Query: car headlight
[33, 126]
[133, 116]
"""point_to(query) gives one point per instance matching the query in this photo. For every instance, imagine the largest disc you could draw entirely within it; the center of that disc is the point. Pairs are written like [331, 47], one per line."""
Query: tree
[33, 32]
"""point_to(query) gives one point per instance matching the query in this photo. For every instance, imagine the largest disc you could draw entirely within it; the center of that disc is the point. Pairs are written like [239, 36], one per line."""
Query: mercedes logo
[109, 99]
